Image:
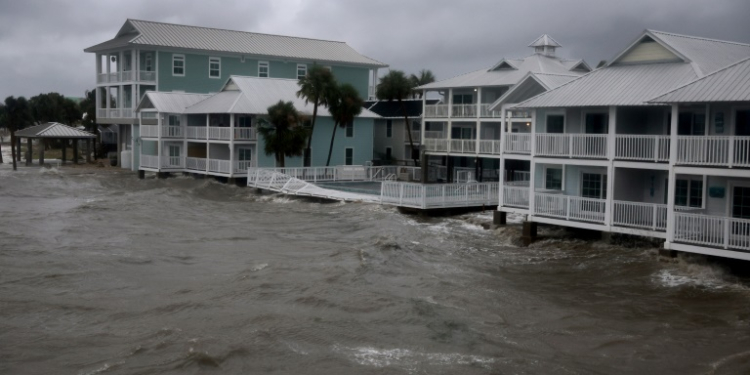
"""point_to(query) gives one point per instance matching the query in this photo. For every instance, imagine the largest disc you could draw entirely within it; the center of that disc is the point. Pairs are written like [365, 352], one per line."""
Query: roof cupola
[545, 45]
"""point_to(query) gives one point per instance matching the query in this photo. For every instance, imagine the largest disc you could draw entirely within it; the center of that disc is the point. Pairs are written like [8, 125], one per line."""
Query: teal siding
[357, 77]
[281, 69]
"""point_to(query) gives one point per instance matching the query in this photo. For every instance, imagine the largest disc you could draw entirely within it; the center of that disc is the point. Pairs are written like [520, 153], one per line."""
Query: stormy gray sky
[42, 41]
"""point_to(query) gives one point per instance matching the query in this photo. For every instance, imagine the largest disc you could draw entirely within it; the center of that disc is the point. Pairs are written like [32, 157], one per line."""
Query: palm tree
[3, 124]
[344, 104]
[314, 88]
[395, 86]
[17, 115]
[425, 77]
[283, 133]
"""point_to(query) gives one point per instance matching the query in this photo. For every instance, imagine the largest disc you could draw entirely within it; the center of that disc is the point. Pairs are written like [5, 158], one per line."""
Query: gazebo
[54, 130]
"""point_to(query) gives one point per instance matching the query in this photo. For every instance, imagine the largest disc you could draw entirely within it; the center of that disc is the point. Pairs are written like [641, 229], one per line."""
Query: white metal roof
[635, 84]
[532, 84]
[254, 95]
[170, 102]
[537, 63]
[149, 33]
[544, 40]
[730, 84]
[53, 130]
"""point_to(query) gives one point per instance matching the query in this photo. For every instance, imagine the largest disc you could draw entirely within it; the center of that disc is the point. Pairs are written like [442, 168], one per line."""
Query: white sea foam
[696, 275]
[369, 356]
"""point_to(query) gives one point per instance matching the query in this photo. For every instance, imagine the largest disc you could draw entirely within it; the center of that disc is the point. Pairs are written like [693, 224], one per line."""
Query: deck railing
[463, 146]
[149, 161]
[196, 132]
[219, 133]
[714, 231]
[437, 145]
[491, 114]
[219, 166]
[491, 147]
[642, 147]
[172, 131]
[241, 166]
[518, 143]
[346, 173]
[640, 215]
[570, 207]
[729, 151]
[516, 196]
[436, 110]
[198, 164]
[435, 134]
[572, 145]
[245, 134]
[149, 131]
[173, 162]
[438, 195]
[464, 110]
[147, 76]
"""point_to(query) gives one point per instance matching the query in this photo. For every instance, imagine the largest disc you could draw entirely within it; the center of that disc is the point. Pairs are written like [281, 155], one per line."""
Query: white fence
[715, 231]
[731, 151]
[149, 161]
[570, 207]
[463, 146]
[640, 215]
[242, 166]
[439, 195]
[516, 196]
[346, 173]
[487, 113]
[518, 143]
[572, 145]
[642, 147]
[437, 145]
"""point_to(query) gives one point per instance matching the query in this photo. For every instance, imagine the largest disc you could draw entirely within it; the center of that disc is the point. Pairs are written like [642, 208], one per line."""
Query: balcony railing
[518, 143]
[172, 162]
[436, 110]
[433, 134]
[491, 147]
[714, 231]
[219, 133]
[728, 151]
[149, 131]
[570, 207]
[125, 76]
[196, 132]
[437, 145]
[491, 114]
[516, 196]
[197, 164]
[147, 76]
[245, 134]
[219, 166]
[642, 147]
[172, 131]
[463, 146]
[242, 166]
[439, 195]
[127, 113]
[572, 145]
[640, 215]
[464, 110]
[150, 161]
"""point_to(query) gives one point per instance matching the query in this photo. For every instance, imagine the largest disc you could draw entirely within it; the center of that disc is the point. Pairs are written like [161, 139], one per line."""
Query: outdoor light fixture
[528, 124]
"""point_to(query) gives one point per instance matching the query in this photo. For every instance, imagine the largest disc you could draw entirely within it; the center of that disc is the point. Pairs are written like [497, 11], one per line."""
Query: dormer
[648, 49]
[503, 64]
[545, 45]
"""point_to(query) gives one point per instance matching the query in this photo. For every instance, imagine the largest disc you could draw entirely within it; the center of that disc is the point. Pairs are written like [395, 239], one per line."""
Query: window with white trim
[263, 69]
[350, 130]
[594, 185]
[173, 120]
[688, 193]
[214, 67]
[148, 62]
[245, 154]
[178, 65]
[244, 121]
[388, 128]
[348, 156]
[553, 178]
[301, 71]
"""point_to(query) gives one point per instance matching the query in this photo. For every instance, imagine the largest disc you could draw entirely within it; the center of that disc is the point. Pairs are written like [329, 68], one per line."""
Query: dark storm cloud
[42, 42]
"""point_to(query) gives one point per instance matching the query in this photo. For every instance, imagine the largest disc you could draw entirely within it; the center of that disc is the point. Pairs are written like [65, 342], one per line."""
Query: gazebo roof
[53, 130]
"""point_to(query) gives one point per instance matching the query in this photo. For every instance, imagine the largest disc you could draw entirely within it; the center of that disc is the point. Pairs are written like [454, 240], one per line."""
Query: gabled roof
[169, 102]
[531, 85]
[253, 95]
[730, 84]
[158, 34]
[504, 64]
[53, 130]
[544, 40]
[392, 109]
[634, 84]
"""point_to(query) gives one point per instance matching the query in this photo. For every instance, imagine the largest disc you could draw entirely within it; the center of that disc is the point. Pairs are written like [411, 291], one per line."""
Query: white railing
[463, 146]
[436, 145]
[102, 78]
[242, 166]
[416, 136]
[516, 196]
[243, 134]
[219, 133]
[345, 173]
[150, 161]
[572, 145]
[517, 178]
[436, 110]
[173, 162]
[438, 195]
[464, 175]
[147, 76]
[196, 132]
[101, 113]
[435, 134]
[518, 143]
[464, 110]
[731, 151]
[487, 113]
[219, 166]
[150, 131]
[642, 147]
[570, 207]
[148, 115]
[113, 113]
[127, 113]
[640, 215]
[113, 77]
[127, 75]
[172, 131]
[489, 147]
[519, 114]
[198, 164]
[715, 231]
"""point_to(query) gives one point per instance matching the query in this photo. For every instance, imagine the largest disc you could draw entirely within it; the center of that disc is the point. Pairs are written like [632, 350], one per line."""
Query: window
[553, 178]
[148, 63]
[307, 160]
[688, 193]
[388, 153]
[173, 120]
[741, 202]
[263, 69]
[594, 185]
[301, 71]
[178, 65]
[214, 67]
[350, 130]
[388, 128]
[597, 123]
[244, 121]
[349, 156]
[462, 99]
[245, 154]
[691, 123]
[555, 124]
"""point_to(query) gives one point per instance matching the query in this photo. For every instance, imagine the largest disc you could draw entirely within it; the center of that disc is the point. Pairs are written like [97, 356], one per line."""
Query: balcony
[723, 151]
[654, 148]
[196, 132]
[464, 111]
[152, 131]
[162, 163]
[516, 196]
[486, 113]
[572, 145]
[640, 215]
[126, 76]
[435, 134]
[570, 207]
[714, 231]
[436, 111]
[124, 113]
[208, 165]
[518, 143]
[489, 147]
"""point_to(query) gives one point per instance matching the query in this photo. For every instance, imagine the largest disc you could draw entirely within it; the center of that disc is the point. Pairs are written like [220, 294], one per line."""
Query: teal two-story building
[146, 56]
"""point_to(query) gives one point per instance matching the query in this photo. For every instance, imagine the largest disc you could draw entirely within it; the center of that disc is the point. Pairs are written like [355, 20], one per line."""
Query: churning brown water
[105, 273]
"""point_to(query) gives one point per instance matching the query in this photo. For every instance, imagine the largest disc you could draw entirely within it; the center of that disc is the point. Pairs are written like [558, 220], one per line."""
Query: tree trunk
[330, 148]
[312, 127]
[13, 148]
[280, 160]
[1, 153]
[408, 131]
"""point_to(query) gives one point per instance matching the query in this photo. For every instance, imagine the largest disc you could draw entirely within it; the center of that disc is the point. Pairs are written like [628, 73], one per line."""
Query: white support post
[533, 133]
[231, 144]
[609, 209]
[423, 125]
[672, 176]
[450, 120]
[208, 145]
[479, 121]
[532, 183]
[501, 185]
[159, 126]
[612, 133]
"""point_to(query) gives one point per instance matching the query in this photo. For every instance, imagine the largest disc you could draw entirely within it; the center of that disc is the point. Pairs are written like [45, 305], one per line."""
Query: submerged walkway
[338, 180]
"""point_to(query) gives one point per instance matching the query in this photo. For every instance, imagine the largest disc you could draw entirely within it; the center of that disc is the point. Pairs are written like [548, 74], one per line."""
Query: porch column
[533, 132]
[119, 144]
[159, 124]
[231, 144]
[28, 151]
[479, 116]
[75, 151]
[423, 125]
[612, 131]
[707, 119]
[672, 176]
[208, 148]
[64, 147]
[41, 151]
[501, 190]
[532, 183]
[610, 204]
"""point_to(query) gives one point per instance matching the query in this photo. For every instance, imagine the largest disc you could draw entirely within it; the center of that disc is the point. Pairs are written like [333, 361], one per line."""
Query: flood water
[102, 273]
